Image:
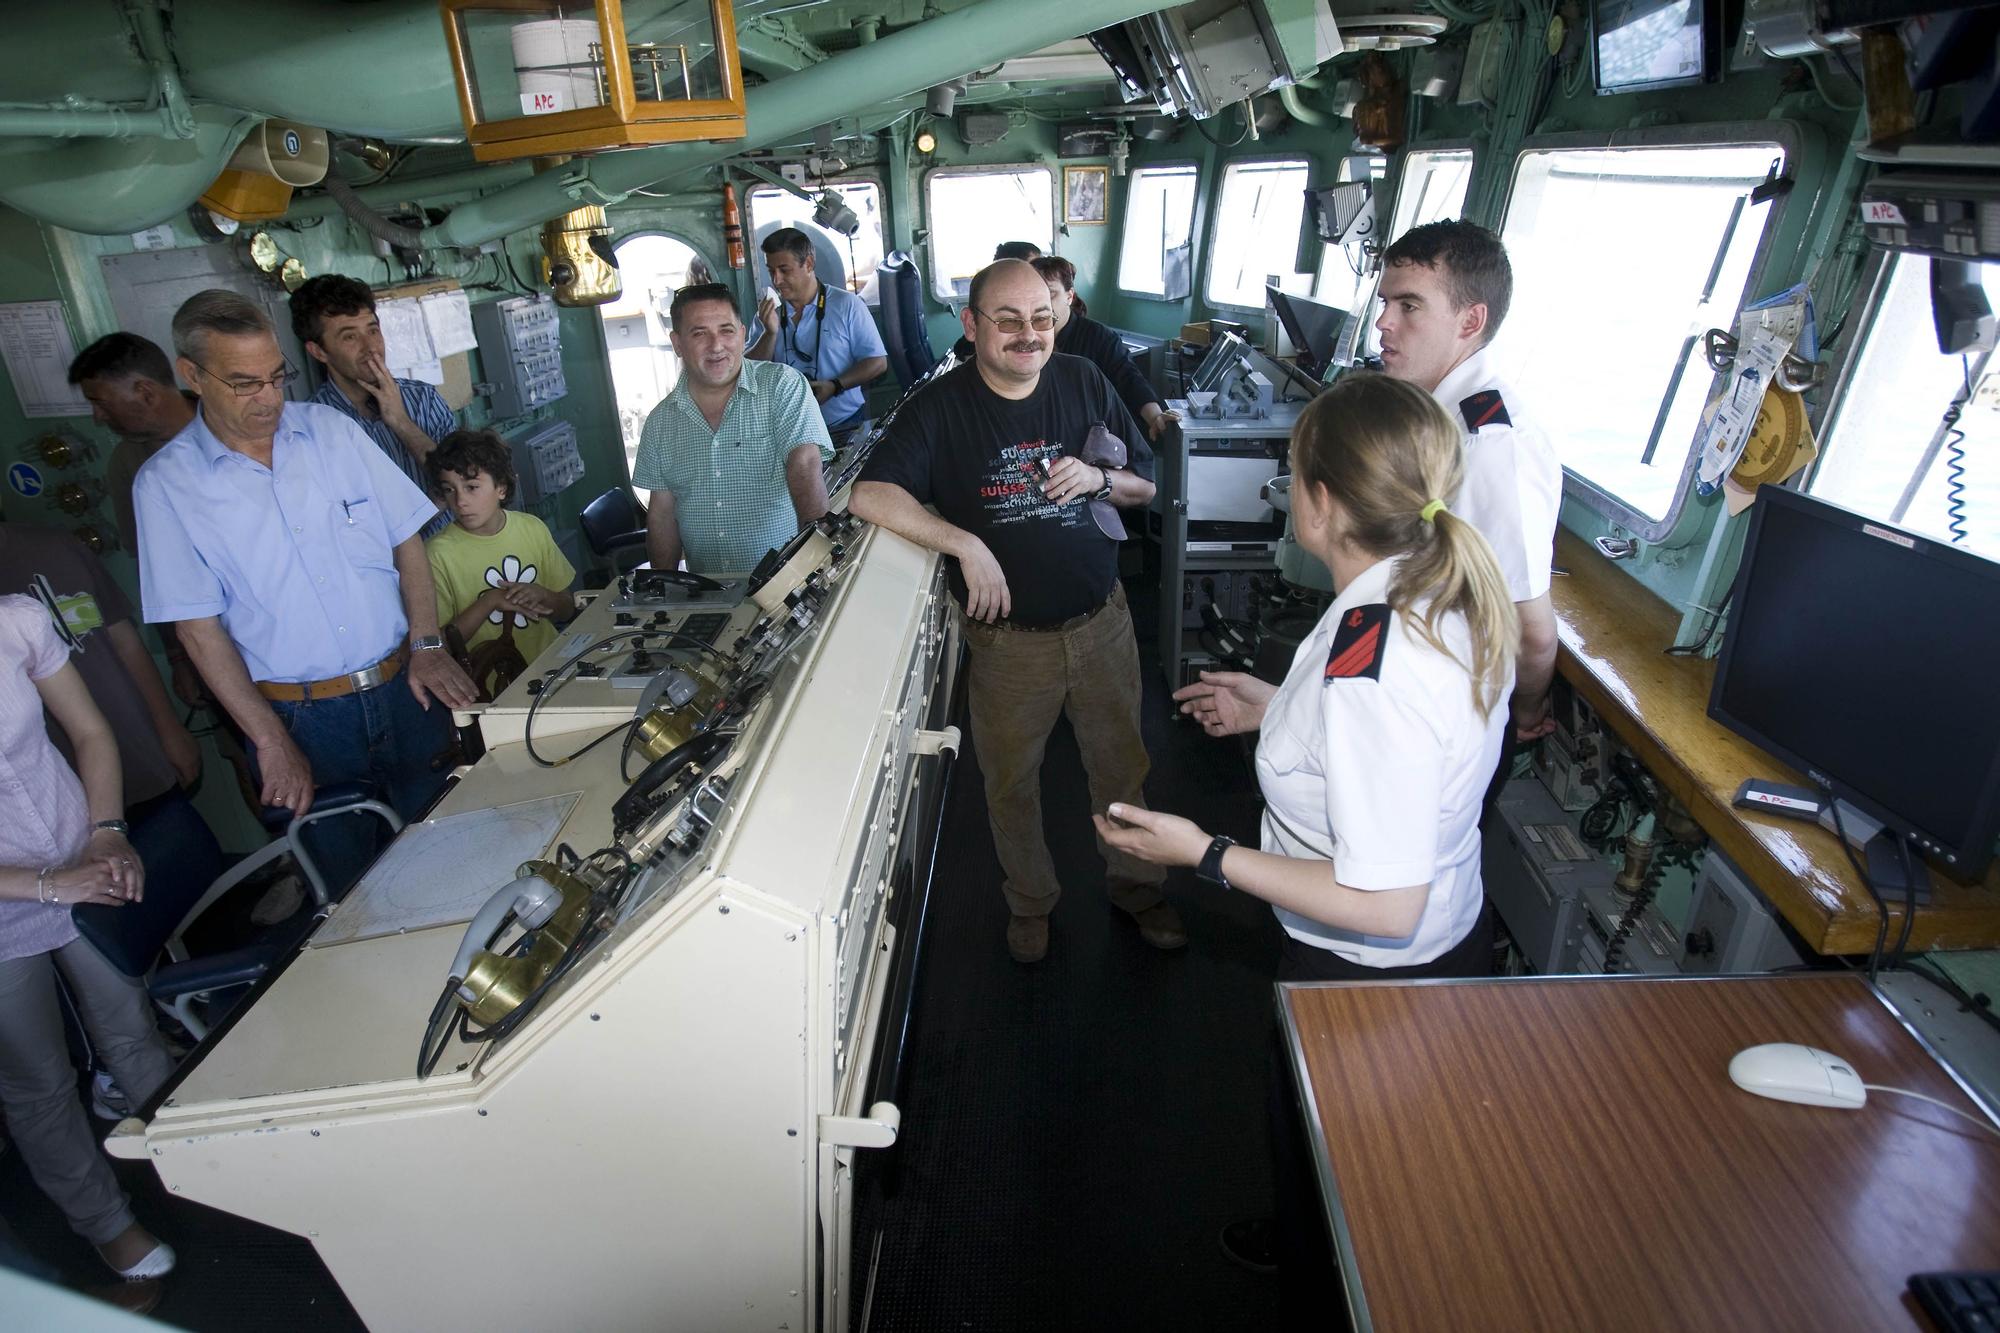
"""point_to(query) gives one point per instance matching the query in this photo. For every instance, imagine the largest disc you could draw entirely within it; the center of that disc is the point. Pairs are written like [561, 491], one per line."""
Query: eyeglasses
[251, 388]
[1040, 322]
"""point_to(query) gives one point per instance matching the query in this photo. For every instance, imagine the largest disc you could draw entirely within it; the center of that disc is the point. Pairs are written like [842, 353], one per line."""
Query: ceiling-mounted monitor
[1639, 45]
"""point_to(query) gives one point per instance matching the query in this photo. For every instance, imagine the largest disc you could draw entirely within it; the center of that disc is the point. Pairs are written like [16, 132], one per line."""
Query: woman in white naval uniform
[1375, 751]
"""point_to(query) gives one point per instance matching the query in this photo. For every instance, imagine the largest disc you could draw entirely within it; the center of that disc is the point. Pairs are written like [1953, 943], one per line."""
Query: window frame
[1197, 216]
[947, 298]
[1665, 531]
[831, 183]
[1220, 183]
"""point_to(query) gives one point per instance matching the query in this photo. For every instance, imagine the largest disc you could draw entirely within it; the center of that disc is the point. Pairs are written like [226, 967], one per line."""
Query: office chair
[134, 941]
[614, 528]
[904, 336]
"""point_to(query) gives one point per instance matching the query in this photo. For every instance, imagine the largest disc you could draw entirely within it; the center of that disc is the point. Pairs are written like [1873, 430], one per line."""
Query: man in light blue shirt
[334, 318]
[734, 455]
[285, 547]
[824, 333]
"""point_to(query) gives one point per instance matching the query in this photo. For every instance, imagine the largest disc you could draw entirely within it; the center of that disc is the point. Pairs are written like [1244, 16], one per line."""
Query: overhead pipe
[907, 61]
[107, 186]
[1296, 107]
[409, 189]
[166, 116]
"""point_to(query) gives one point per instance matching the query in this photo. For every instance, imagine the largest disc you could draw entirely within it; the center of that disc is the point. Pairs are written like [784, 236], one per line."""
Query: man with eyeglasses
[1003, 448]
[334, 319]
[824, 333]
[286, 549]
[735, 455]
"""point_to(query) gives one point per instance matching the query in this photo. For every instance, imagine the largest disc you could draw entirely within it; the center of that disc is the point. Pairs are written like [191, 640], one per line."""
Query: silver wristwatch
[426, 643]
[1104, 492]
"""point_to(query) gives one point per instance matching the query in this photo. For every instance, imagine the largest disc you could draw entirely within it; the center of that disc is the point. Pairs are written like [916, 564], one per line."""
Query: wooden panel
[1570, 1154]
[1614, 635]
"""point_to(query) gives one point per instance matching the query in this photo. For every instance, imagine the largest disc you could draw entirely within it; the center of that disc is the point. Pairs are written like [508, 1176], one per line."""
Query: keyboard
[1960, 1302]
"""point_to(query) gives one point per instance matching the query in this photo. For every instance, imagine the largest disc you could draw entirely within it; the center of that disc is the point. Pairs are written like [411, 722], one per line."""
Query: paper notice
[448, 316]
[35, 343]
[406, 339]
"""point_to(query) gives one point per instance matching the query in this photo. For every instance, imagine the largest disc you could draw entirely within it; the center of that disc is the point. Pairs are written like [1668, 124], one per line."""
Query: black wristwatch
[1210, 868]
[1104, 492]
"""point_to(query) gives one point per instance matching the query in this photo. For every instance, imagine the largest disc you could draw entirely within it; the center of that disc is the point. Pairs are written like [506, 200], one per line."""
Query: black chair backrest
[904, 336]
[612, 520]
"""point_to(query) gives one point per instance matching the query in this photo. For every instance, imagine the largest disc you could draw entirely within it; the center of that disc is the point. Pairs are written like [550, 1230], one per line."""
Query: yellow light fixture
[926, 142]
[537, 78]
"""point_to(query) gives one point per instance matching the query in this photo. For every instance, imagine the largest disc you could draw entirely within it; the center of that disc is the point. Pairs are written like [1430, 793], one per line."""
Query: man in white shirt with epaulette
[1445, 289]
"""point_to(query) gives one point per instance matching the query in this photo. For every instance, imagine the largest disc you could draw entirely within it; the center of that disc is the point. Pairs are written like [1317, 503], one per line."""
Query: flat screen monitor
[1642, 44]
[1866, 656]
[1313, 327]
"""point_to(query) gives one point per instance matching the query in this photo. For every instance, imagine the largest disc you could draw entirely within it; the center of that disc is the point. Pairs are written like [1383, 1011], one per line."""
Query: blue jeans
[381, 736]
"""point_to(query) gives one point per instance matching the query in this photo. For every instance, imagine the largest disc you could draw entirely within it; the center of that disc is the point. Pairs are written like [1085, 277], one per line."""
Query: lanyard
[792, 332]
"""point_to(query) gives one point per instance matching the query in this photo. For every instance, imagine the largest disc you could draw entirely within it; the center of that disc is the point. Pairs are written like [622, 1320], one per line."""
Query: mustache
[1031, 345]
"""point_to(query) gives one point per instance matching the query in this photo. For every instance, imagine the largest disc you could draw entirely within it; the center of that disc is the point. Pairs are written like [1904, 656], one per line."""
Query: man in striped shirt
[334, 318]
[734, 455]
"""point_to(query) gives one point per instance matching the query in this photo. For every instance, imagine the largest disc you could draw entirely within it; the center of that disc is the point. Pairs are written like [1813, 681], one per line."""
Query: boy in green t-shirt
[499, 573]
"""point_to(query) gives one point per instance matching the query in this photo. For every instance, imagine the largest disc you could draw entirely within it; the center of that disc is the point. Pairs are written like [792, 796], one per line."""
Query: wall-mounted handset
[558, 912]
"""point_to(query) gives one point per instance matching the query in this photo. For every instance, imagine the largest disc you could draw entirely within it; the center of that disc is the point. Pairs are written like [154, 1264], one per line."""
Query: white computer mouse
[1789, 1072]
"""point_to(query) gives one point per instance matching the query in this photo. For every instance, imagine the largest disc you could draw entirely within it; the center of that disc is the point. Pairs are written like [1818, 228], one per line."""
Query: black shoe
[1247, 1243]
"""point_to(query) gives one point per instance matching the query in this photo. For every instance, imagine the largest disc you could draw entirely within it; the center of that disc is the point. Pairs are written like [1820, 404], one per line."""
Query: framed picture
[1086, 195]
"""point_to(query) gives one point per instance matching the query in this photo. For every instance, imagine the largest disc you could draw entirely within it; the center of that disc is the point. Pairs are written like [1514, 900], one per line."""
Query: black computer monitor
[1865, 655]
[1313, 327]
[1644, 44]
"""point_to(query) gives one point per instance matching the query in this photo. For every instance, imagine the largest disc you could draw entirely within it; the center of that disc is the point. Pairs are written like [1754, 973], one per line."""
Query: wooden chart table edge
[1336, 1213]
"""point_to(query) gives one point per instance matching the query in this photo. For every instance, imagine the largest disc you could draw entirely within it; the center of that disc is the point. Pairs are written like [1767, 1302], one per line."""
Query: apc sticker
[26, 479]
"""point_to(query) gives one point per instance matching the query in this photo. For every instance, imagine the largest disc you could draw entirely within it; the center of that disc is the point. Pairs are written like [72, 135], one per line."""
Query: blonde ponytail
[1390, 456]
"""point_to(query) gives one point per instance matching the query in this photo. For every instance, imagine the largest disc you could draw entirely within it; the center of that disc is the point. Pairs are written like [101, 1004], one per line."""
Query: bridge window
[1622, 258]
[1889, 451]
[1257, 233]
[1157, 253]
[972, 210]
[771, 208]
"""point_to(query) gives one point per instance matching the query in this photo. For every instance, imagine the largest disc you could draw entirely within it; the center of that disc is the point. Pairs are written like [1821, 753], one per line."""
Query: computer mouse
[1788, 1072]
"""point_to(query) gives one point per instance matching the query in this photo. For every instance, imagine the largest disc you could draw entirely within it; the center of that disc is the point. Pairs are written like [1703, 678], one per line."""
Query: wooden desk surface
[1570, 1154]
[1614, 633]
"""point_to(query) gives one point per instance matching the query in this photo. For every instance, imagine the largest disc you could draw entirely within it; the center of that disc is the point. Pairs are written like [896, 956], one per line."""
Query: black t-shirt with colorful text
[973, 454]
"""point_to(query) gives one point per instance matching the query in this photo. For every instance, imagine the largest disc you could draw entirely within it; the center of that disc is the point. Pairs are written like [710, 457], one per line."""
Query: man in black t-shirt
[996, 446]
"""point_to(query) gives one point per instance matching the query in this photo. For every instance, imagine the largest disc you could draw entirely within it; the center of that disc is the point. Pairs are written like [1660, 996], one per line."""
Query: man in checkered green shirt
[734, 455]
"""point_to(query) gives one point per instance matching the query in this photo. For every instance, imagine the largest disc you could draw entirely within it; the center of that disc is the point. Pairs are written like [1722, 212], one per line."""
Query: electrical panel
[546, 460]
[1536, 870]
[1649, 947]
[1235, 593]
[1948, 215]
[1575, 760]
[520, 349]
[1731, 929]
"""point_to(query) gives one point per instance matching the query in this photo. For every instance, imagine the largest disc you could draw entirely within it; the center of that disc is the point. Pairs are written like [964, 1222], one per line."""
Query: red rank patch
[1357, 645]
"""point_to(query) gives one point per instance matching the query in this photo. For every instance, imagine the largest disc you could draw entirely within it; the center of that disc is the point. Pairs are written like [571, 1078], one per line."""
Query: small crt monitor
[1643, 44]
[1865, 656]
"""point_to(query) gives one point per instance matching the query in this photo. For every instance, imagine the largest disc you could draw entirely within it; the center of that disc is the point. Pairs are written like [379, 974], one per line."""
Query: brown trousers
[1018, 682]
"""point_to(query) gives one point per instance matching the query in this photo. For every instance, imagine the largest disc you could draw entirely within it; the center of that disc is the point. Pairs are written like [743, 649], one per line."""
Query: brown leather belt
[334, 687]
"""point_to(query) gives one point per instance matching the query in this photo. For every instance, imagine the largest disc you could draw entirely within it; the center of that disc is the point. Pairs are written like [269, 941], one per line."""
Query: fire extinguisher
[732, 226]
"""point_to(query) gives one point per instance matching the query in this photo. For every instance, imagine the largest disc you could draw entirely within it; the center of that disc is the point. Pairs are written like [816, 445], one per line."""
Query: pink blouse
[44, 818]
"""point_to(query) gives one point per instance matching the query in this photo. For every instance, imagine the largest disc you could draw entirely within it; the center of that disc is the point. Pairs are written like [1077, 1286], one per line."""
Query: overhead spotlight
[926, 142]
[833, 213]
[944, 97]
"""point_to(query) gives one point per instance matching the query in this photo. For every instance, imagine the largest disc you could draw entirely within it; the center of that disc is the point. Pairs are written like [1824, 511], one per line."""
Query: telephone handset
[561, 916]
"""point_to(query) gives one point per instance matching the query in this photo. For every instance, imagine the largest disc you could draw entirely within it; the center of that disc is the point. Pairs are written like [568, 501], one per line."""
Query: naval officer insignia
[1484, 409]
[1357, 646]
